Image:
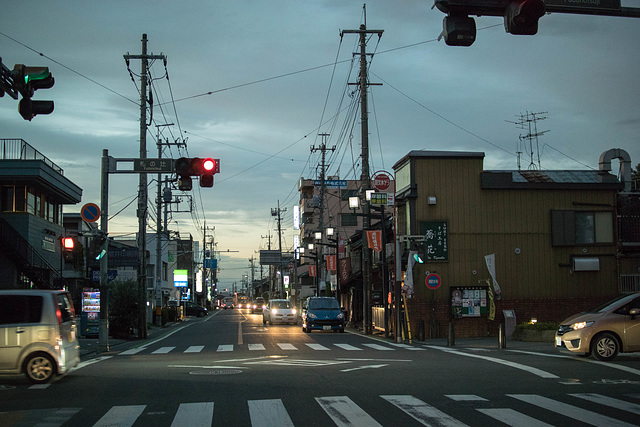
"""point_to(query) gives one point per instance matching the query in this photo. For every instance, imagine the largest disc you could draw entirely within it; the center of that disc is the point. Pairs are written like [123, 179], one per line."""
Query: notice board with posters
[435, 233]
[469, 301]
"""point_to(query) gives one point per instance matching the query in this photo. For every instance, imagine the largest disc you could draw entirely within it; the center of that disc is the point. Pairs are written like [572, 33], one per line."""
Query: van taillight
[59, 314]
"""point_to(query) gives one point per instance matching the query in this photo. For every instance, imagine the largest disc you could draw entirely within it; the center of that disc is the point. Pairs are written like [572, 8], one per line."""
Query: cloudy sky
[254, 82]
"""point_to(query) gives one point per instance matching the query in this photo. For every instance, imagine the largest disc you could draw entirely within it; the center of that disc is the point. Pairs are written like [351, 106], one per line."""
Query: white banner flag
[491, 266]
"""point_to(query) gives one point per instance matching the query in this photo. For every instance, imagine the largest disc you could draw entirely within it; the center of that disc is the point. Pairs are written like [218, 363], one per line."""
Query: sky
[254, 82]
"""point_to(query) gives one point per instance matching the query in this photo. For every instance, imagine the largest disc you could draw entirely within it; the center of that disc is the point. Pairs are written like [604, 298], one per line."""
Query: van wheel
[39, 368]
[605, 347]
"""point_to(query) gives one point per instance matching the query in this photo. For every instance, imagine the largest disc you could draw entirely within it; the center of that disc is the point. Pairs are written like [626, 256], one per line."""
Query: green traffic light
[418, 258]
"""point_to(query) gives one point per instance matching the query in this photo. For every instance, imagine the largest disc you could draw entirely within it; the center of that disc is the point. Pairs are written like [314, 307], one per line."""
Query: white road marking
[268, 413]
[345, 413]
[426, 414]
[194, 349]
[198, 414]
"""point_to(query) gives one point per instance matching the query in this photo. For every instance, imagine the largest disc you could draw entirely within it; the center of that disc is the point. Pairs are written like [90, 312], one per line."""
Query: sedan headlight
[581, 325]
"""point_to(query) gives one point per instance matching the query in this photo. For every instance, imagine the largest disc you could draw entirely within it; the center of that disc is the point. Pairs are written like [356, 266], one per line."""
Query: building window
[348, 220]
[570, 228]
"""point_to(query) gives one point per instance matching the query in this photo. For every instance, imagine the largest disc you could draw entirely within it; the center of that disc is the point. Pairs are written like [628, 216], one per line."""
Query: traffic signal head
[209, 168]
[26, 81]
[28, 108]
[68, 245]
[204, 168]
[183, 171]
[459, 30]
[521, 16]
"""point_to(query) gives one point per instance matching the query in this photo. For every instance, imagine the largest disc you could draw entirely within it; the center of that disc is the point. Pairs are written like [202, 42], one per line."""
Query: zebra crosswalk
[263, 347]
[343, 411]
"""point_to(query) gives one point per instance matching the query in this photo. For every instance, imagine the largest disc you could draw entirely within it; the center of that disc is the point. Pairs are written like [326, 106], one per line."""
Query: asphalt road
[228, 369]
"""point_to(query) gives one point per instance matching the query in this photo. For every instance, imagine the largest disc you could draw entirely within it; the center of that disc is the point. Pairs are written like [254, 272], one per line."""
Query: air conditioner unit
[586, 264]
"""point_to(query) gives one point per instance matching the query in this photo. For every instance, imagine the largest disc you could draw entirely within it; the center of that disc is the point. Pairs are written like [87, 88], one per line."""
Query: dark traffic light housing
[204, 168]
[459, 29]
[27, 80]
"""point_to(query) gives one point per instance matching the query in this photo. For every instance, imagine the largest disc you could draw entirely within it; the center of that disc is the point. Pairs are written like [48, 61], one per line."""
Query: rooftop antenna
[529, 122]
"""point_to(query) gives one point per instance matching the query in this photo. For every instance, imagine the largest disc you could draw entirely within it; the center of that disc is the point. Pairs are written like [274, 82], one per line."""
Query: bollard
[421, 330]
[502, 336]
[451, 338]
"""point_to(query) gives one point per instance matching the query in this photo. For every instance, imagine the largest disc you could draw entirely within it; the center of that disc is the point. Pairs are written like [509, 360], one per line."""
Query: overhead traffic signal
[204, 168]
[521, 17]
[26, 81]
[459, 29]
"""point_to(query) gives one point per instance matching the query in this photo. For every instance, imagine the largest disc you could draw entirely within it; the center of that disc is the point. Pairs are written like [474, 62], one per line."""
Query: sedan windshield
[328, 304]
[280, 304]
[622, 299]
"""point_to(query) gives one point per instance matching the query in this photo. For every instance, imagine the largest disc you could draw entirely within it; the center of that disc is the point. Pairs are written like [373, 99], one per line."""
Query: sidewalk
[485, 343]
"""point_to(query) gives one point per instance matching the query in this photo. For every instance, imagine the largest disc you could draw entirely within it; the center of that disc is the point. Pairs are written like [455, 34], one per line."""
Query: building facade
[536, 244]
[33, 193]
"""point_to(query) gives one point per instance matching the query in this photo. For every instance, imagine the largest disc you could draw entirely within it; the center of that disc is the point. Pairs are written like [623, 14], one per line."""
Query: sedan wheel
[39, 368]
[605, 347]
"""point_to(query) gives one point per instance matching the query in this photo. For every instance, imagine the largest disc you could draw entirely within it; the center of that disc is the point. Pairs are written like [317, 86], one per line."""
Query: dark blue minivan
[322, 313]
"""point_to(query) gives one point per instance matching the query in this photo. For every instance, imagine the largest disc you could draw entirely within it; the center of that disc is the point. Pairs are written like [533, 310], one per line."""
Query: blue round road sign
[433, 281]
[90, 212]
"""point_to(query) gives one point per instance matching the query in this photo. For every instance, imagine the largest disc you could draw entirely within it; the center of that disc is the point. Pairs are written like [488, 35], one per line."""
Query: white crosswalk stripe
[580, 414]
[268, 412]
[197, 414]
[344, 411]
[287, 346]
[315, 346]
[121, 416]
[163, 350]
[348, 347]
[426, 414]
[256, 347]
[262, 347]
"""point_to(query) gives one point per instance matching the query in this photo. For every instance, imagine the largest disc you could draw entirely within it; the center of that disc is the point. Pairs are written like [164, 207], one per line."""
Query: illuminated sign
[180, 278]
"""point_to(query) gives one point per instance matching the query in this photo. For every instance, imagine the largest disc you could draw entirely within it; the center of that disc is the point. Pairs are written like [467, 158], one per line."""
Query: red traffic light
[68, 243]
[209, 164]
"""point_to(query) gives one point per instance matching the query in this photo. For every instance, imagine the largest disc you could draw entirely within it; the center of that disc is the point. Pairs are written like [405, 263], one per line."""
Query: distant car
[279, 311]
[605, 331]
[193, 309]
[258, 305]
[322, 313]
[227, 303]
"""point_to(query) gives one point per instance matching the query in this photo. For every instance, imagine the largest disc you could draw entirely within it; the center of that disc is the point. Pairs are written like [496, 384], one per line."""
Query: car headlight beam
[582, 325]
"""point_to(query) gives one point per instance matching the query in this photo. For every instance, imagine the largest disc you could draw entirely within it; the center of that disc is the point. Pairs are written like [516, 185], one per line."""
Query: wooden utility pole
[365, 176]
[142, 188]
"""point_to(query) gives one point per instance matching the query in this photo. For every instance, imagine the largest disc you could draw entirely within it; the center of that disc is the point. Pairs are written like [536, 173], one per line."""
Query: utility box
[509, 322]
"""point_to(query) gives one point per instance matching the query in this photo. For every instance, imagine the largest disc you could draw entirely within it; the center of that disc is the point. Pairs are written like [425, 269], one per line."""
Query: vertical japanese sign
[435, 233]
[374, 238]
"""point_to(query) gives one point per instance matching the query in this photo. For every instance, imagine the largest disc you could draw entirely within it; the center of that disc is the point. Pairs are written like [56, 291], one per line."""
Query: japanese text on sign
[435, 233]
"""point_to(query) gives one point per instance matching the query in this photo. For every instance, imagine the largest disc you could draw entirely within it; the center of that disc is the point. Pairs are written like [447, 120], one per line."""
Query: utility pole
[142, 189]
[365, 176]
[277, 212]
[323, 149]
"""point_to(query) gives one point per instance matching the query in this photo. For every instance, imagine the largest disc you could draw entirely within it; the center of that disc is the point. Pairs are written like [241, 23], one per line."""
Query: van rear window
[20, 309]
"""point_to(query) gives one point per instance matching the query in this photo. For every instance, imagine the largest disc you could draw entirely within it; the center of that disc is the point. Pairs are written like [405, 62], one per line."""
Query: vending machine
[90, 317]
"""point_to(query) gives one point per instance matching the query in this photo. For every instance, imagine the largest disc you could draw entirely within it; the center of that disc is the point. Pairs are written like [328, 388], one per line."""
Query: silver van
[38, 334]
